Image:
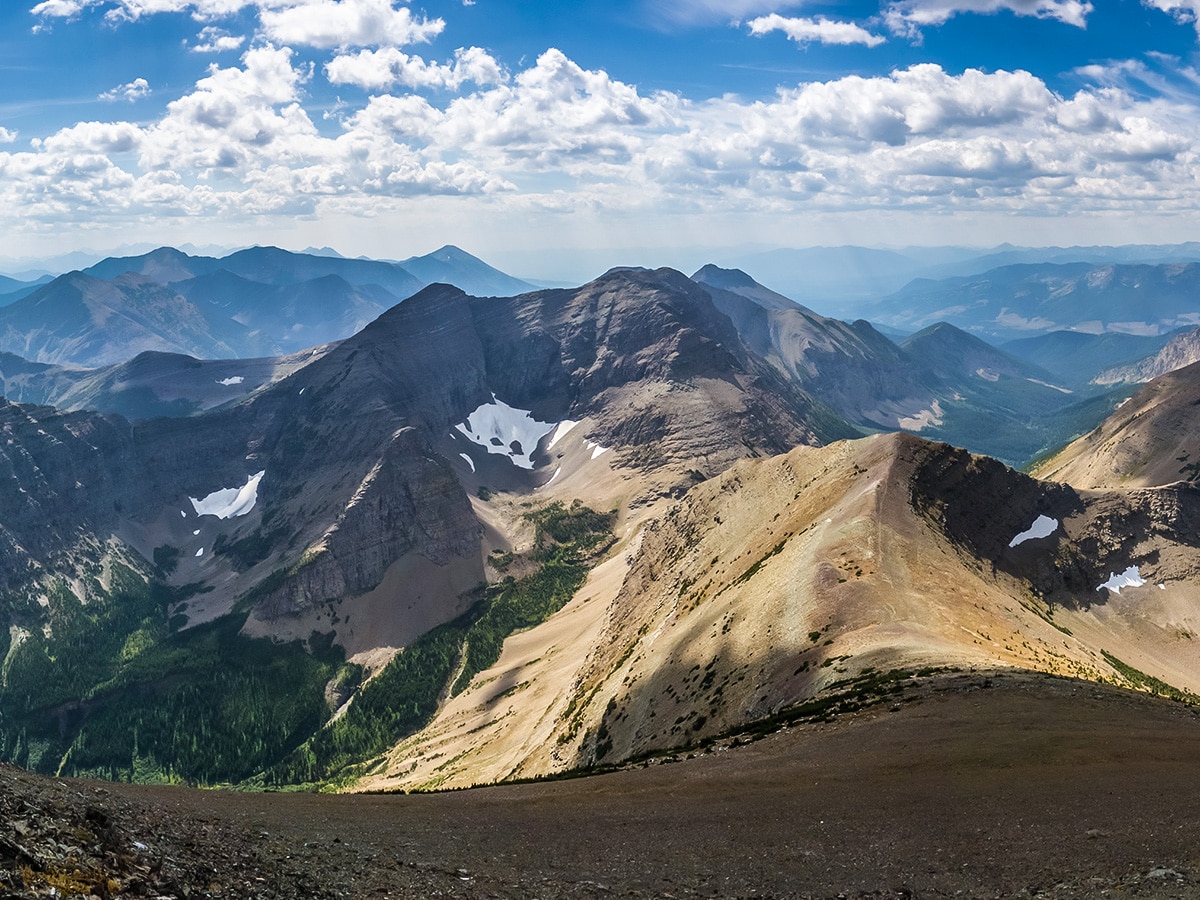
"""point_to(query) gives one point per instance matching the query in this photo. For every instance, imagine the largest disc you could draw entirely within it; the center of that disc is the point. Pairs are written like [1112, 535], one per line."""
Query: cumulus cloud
[216, 40]
[909, 16]
[132, 92]
[7, 136]
[348, 23]
[384, 68]
[821, 30]
[316, 23]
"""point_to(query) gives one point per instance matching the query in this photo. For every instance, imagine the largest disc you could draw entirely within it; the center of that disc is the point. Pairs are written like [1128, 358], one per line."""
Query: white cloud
[7, 136]
[348, 23]
[377, 69]
[216, 40]
[824, 31]
[132, 92]
[556, 139]
[317, 23]
[1186, 11]
[909, 16]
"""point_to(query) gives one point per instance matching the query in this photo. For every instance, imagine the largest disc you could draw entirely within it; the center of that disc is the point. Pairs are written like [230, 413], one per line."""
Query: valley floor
[972, 785]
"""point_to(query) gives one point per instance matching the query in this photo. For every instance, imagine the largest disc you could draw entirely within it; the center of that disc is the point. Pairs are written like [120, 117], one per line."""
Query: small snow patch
[1162, 587]
[597, 450]
[200, 552]
[230, 502]
[1052, 386]
[1131, 577]
[922, 418]
[502, 429]
[183, 513]
[302, 390]
[988, 375]
[231, 380]
[555, 475]
[470, 462]
[560, 431]
[196, 532]
[1043, 526]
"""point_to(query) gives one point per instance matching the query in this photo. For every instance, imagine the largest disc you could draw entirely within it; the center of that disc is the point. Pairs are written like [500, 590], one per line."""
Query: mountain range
[252, 303]
[490, 537]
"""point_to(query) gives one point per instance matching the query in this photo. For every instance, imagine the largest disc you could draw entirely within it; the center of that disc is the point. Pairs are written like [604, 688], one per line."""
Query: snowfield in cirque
[230, 502]
[1043, 526]
[507, 431]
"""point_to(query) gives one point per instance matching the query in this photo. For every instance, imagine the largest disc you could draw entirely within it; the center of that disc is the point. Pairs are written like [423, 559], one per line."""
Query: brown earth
[972, 785]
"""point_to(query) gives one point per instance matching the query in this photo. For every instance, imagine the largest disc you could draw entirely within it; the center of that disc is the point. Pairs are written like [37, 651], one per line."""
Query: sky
[549, 137]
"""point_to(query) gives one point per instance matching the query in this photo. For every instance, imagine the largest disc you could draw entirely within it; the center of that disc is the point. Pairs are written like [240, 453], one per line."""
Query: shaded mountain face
[1024, 300]
[83, 320]
[287, 318]
[1151, 439]
[149, 385]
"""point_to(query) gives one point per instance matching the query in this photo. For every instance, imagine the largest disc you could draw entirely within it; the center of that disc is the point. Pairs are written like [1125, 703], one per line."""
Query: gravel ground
[975, 786]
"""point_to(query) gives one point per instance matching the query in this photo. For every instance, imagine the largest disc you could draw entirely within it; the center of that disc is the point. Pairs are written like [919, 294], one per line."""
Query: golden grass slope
[772, 583]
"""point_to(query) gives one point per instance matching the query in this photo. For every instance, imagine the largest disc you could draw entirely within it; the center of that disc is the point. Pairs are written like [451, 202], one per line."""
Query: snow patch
[196, 532]
[199, 552]
[597, 450]
[988, 375]
[1043, 526]
[923, 418]
[555, 475]
[470, 462]
[560, 431]
[500, 428]
[1162, 587]
[183, 513]
[1052, 386]
[231, 380]
[1131, 577]
[230, 502]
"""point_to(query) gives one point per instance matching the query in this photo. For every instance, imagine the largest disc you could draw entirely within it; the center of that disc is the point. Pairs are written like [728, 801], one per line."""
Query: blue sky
[549, 137]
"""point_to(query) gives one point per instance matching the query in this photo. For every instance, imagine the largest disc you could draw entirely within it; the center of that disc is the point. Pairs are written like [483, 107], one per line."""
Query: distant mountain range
[1025, 300]
[253, 303]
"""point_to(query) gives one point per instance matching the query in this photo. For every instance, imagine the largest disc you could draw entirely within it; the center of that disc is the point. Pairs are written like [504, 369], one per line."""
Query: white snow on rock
[560, 432]
[470, 462]
[1131, 577]
[597, 450]
[555, 475]
[231, 380]
[500, 428]
[922, 418]
[1162, 587]
[1043, 526]
[230, 502]
[196, 532]
[200, 552]
[1049, 385]
[183, 513]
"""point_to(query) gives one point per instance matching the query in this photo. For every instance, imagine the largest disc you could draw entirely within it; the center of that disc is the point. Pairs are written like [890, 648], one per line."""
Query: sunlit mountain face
[560, 139]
